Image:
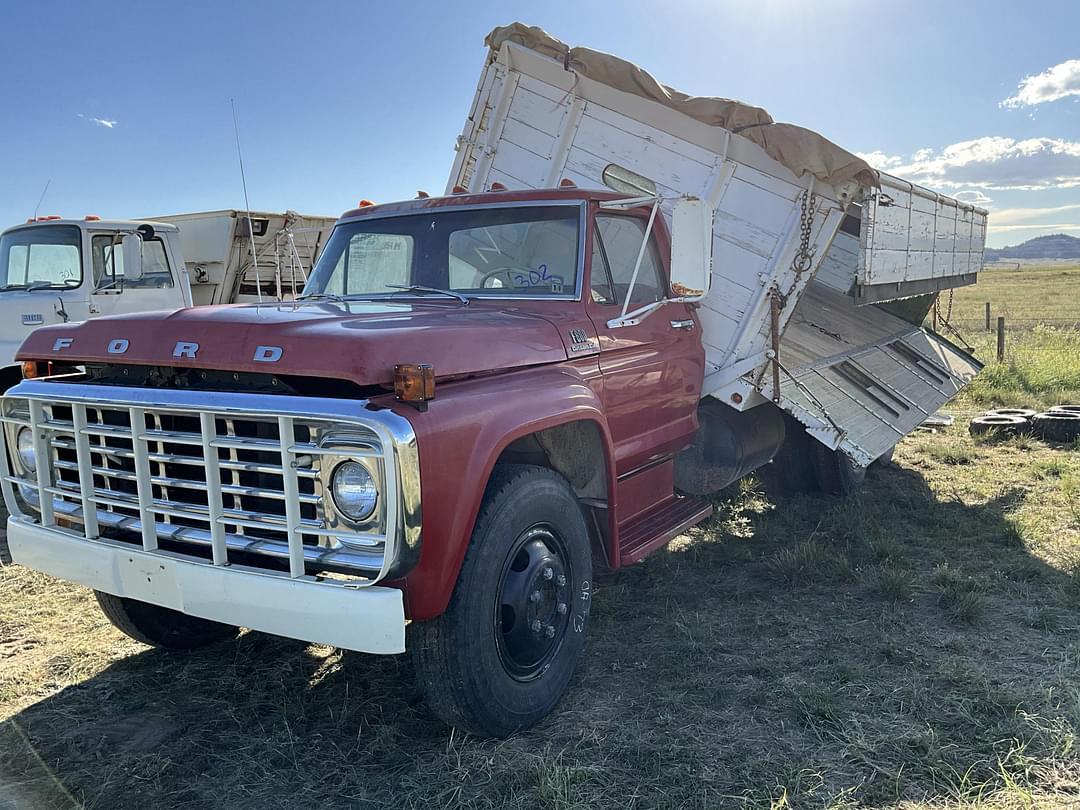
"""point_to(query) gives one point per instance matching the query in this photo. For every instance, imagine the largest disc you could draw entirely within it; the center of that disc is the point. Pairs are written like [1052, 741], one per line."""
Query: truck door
[114, 295]
[652, 370]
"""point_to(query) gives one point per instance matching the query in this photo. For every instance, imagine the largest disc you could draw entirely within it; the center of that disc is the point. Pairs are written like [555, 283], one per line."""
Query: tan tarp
[801, 150]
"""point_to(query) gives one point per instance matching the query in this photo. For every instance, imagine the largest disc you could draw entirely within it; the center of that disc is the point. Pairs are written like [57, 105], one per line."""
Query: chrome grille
[250, 474]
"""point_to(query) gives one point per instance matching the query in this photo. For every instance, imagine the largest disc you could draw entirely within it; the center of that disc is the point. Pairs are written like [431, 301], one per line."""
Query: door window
[616, 244]
[109, 265]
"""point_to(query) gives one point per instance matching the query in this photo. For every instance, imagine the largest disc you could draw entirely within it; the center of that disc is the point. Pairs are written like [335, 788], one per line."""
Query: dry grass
[913, 647]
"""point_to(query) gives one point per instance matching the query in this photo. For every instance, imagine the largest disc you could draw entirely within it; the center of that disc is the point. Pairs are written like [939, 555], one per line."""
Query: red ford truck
[627, 300]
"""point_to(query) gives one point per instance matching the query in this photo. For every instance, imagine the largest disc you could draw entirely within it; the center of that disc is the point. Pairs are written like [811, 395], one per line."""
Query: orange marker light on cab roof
[566, 182]
[497, 186]
[414, 383]
[365, 204]
[460, 190]
[92, 218]
[51, 217]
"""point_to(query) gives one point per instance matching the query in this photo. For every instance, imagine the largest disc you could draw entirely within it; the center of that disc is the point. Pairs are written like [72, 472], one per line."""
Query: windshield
[513, 251]
[42, 257]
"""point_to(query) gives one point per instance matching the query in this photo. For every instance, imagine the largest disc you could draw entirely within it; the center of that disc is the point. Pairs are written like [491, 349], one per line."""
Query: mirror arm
[635, 317]
[640, 256]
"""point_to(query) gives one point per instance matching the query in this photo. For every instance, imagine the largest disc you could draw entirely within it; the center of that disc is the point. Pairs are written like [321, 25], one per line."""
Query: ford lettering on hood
[356, 340]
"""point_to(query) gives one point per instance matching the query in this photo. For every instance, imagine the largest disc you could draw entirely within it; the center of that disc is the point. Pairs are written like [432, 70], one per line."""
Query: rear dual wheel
[504, 652]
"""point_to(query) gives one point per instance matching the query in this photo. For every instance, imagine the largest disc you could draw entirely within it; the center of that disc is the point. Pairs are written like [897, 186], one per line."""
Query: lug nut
[561, 581]
[561, 608]
[535, 626]
[535, 597]
[548, 573]
[549, 631]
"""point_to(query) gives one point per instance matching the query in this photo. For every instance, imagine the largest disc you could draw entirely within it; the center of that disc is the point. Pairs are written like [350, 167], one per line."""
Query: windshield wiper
[48, 285]
[323, 295]
[464, 299]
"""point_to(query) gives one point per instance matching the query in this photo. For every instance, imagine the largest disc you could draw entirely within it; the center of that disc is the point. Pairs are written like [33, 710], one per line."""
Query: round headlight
[354, 490]
[24, 445]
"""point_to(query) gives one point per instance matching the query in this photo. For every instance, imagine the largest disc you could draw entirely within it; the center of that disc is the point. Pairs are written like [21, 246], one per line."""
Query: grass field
[916, 646]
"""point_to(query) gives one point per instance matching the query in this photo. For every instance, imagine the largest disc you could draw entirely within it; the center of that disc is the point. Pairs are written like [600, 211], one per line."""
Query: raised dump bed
[789, 206]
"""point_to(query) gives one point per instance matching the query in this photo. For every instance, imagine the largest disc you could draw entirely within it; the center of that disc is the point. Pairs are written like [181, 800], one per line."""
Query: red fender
[459, 439]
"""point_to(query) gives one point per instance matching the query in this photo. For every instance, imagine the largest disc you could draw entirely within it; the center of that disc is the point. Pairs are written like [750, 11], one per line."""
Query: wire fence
[1012, 323]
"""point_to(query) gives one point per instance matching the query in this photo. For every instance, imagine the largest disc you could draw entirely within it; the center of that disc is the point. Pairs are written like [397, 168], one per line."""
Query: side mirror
[691, 248]
[132, 252]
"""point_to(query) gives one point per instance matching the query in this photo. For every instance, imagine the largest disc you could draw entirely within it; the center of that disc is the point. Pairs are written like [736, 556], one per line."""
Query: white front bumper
[366, 619]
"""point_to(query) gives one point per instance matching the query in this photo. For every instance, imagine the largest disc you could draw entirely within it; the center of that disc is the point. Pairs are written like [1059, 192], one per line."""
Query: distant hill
[1054, 246]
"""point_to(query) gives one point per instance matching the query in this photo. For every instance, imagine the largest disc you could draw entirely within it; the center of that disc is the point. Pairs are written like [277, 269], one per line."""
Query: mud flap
[861, 379]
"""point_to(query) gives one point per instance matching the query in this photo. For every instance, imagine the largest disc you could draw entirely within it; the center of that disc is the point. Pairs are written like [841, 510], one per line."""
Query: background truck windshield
[41, 257]
[508, 251]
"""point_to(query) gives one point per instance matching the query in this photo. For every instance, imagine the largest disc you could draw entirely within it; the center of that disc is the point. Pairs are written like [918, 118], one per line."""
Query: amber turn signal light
[414, 382]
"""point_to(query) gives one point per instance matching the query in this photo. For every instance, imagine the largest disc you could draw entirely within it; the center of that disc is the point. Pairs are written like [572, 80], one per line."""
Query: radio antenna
[247, 203]
[41, 199]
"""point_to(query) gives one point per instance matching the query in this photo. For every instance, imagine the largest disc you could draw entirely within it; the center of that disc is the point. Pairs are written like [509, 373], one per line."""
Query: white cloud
[879, 160]
[1050, 227]
[975, 197]
[995, 162]
[108, 123]
[1014, 216]
[1060, 81]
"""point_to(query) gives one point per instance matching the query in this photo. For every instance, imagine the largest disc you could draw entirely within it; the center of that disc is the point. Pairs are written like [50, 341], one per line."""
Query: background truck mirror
[691, 248]
[132, 251]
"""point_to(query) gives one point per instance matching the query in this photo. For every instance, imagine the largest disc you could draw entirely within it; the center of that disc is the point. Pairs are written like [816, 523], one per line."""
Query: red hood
[359, 341]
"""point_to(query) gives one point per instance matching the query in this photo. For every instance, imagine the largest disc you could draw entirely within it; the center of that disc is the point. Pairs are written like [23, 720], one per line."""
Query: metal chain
[802, 261]
[804, 256]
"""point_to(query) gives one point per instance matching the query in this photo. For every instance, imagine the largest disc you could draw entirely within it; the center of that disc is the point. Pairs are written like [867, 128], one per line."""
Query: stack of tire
[1059, 424]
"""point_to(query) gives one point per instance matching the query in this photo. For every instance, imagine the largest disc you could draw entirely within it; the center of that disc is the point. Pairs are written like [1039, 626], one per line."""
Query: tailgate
[861, 379]
[914, 241]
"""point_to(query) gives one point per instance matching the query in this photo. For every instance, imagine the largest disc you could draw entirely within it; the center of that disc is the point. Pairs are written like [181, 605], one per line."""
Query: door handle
[687, 324]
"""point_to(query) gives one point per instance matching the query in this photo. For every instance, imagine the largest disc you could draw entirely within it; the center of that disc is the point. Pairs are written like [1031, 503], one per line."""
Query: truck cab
[66, 270]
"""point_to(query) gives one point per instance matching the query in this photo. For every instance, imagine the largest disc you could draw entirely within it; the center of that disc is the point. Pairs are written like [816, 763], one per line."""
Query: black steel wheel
[532, 609]
[504, 651]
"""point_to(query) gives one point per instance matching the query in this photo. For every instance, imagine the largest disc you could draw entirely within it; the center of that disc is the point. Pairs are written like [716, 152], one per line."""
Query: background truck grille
[208, 483]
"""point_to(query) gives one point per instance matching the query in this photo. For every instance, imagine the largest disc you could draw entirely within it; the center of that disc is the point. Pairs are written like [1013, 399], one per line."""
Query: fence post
[987, 316]
[1001, 339]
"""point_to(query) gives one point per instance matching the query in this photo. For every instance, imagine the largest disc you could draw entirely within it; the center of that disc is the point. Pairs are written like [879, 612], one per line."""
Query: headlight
[24, 446]
[354, 490]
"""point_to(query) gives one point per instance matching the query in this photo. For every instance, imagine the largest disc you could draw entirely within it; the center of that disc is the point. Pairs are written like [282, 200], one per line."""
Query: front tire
[504, 651]
[162, 627]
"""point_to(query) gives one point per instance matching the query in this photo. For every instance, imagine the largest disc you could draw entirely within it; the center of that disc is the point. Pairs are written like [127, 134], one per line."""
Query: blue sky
[125, 107]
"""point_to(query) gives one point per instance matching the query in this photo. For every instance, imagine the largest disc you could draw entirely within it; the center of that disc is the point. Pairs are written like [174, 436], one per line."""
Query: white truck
[57, 270]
